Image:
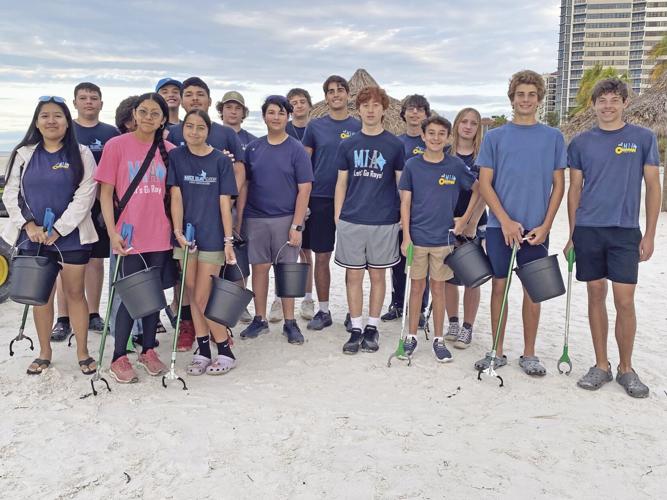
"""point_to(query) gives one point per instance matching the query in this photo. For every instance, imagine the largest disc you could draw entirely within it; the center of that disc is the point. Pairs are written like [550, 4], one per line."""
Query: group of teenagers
[331, 185]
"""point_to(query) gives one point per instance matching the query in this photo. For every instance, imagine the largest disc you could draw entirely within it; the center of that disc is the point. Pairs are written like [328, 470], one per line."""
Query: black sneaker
[371, 337]
[292, 332]
[352, 345]
[255, 328]
[320, 320]
[392, 314]
[347, 323]
[61, 331]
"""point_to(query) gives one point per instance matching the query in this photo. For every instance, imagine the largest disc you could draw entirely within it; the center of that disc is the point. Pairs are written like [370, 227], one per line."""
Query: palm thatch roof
[361, 78]
[648, 109]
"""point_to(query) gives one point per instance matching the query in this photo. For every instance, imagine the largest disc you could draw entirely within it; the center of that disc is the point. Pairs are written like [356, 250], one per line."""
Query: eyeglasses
[154, 115]
[55, 98]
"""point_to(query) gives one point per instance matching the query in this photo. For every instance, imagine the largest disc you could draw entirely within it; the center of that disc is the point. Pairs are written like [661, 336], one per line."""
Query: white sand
[308, 422]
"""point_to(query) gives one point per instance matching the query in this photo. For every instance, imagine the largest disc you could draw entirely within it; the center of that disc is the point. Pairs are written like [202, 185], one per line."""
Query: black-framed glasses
[55, 98]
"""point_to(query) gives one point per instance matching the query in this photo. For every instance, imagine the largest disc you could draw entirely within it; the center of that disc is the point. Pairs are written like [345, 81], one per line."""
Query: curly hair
[372, 92]
[526, 77]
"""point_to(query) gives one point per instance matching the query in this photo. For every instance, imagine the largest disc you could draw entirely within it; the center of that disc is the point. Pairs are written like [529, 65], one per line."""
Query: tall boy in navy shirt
[607, 165]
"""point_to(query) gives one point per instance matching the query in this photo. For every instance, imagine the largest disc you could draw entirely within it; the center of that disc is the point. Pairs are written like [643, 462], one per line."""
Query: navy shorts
[73, 257]
[500, 254]
[320, 231]
[607, 252]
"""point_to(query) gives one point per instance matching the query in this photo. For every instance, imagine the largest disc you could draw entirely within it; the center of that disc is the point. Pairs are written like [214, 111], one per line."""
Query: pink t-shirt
[121, 161]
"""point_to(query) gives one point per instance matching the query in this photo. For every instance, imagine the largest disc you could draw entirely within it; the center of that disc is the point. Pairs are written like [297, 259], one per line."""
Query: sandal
[171, 315]
[42, 364]
[198, 365]
[595, 378]
[84, 364]
[483, 364]
[531, 366]
[632, 385]
[160, 327]
[221, 365]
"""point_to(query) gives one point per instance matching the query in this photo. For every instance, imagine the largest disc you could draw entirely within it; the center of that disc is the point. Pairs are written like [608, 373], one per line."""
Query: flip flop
[84, 365]
[531, 366]
[160, 327]
[42, 364]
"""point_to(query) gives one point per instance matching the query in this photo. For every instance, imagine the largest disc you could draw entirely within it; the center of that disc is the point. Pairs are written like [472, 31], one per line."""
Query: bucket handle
[240, 272]
[451, 231]
[301, 252]
[123, 264]
[16, 247]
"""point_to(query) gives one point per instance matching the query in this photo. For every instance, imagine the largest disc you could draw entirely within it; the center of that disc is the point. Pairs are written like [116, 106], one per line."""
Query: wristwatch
[297, 227]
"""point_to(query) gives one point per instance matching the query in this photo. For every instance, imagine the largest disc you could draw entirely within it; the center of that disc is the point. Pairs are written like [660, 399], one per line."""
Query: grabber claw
[492, 372]
[18, 338]
[565, 360]
[401, 357]
[170, 377]
[96, 379]
[69, 340]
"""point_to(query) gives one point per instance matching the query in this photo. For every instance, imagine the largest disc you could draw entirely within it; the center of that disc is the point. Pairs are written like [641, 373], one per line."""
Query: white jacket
[77, 213]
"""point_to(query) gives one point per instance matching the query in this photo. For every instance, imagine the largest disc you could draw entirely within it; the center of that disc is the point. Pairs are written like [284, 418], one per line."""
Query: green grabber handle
[400, 349]
[565, 357]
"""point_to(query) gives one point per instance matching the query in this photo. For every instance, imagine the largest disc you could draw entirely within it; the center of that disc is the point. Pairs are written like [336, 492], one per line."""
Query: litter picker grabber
[400, 349]
[49, 219]
[126, 233]
[170, 376]
[565, 357]
[490, 370]
[427, 328]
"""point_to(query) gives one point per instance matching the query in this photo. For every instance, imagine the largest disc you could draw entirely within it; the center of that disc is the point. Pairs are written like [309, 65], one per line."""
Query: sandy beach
[307, 422]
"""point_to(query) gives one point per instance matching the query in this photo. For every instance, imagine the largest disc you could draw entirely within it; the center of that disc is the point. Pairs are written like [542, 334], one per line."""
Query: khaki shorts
[216, 258]
[430, 261]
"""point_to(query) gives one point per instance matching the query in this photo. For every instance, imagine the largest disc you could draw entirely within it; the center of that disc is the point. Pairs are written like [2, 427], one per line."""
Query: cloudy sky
[456, 53]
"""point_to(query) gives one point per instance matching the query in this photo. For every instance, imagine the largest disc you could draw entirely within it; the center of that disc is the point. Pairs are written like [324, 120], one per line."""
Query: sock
[324, 306]
[186, 314]
[411, 335]
[453, 319]
[93, 316]
[373, 321]
[224, 350]
[467, 325]
[308, 296]
[204, 347]
[356, 322]
[63, 319]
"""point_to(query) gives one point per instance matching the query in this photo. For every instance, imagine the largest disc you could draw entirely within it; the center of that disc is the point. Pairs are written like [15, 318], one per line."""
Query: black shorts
[74, 257]
[102, 247]
[320, 232]
[607, 252]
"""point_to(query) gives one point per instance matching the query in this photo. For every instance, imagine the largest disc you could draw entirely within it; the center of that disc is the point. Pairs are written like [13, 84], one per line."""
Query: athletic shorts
[266, 237]
[359, 245]
[215, 258]
[430, 261]
[74, 257]
[320, 232]
[500, 254]
[102, 246]
[607, 252]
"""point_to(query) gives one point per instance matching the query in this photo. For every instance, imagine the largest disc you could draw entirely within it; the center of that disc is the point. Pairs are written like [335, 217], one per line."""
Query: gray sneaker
[256, 328]
[320, 320]
[61, 331]
[440, 351]
[595, 378]
[465, 337]
[452, 331]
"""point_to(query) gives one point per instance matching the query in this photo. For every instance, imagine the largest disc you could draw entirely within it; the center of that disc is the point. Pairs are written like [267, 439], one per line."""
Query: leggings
[123, 327]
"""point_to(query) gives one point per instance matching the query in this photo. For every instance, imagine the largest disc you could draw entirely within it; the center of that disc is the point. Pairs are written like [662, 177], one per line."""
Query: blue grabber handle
[190, 234]
[127, 231]
[49, 219]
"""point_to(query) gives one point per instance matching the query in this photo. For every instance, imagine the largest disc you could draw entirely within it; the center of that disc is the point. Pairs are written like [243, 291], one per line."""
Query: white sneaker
[245, 316]
[307, 309]
[276, 313]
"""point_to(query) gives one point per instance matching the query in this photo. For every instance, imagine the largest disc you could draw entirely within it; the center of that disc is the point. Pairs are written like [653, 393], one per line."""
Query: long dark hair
[158, 138]
[70, 144]
[201, 114]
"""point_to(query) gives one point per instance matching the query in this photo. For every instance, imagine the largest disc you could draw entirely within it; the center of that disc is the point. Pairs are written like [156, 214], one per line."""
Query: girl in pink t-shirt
[121, 160]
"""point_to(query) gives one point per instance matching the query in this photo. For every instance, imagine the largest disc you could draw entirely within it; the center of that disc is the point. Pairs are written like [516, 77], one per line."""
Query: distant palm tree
[588, 80]
[659, 50]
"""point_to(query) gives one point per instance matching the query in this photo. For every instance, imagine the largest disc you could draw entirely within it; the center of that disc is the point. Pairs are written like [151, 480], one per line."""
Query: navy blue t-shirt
[246, 138]
[612, 163]
[274, 172]
[324, 135]
[294, 131]
[435, 190]
[464, 197]
[95, 137]
[371, 162]
[220, 137]
[49, 182]
[202, 180]
[414, 145]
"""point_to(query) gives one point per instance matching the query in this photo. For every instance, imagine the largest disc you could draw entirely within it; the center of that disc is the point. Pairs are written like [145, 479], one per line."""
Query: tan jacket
[77, 213]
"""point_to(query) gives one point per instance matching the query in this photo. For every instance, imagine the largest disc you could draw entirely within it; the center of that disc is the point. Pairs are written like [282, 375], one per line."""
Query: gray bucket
[227, 302]
[141, 292]
[470, 264]
[33, 277]
[291, 277]
[242, 268]
[542, 278]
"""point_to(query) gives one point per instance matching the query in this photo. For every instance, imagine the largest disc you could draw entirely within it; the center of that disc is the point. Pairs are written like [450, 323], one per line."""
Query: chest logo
[418, 150]
[60, 165]
[346, 134]
[447, 180]
[625, 148]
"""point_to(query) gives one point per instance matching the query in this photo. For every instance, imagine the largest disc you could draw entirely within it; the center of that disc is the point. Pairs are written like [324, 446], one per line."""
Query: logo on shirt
[368, 163]
[202, 179]
[625, 147]
[418, 150]
[346, 134]
[96, 145]
[60, 165]
[153, 178]
[447, 180]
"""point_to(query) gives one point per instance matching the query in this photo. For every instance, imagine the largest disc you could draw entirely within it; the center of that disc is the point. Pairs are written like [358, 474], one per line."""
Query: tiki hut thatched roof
[361, 79]
[648, 110]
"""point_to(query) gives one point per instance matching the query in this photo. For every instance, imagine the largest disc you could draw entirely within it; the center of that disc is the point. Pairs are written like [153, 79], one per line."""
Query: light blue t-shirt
[523, 159]
[612, 163]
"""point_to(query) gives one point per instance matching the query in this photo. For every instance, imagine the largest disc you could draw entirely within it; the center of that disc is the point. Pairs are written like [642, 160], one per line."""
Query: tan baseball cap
[235, 96]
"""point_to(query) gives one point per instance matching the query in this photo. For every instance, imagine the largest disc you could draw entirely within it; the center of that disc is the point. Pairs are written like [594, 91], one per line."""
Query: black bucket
[141, 292]
[291, 278]
[227, 302]
[542, 278]
[470, 264]
[242, 268]
[33, 277]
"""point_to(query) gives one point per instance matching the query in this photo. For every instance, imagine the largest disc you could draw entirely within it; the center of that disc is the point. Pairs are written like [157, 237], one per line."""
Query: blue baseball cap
[168, 81]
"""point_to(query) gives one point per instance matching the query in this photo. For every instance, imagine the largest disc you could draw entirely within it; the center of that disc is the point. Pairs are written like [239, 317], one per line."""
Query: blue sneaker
[320, 321]
[440, 351]
[255, 328]
[410, 345]
[292, 332]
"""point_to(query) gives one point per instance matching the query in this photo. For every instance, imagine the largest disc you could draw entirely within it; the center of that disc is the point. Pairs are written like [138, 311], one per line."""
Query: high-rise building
[549, 103]
[617, 34]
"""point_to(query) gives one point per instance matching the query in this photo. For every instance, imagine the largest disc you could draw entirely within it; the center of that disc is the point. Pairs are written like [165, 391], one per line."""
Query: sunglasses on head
[54, 98]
